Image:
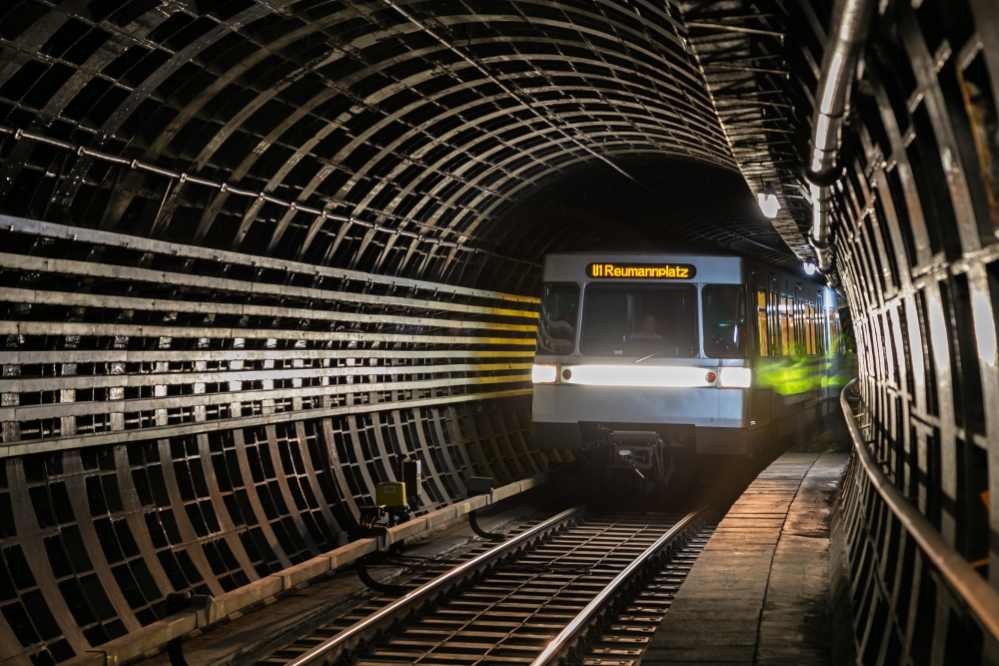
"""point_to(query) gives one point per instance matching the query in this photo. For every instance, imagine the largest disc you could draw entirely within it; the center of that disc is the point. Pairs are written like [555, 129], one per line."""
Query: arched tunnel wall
[253, 251]
[918, 214]
[230, 421]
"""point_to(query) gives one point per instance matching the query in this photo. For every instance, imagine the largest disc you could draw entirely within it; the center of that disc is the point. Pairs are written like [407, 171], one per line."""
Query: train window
[810, 321]
[724, 320]
[786, 326]
[763, 322]
[640, 320]
[557, 319]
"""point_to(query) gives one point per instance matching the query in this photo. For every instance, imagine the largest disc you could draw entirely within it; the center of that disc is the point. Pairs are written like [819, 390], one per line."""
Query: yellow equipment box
[390, 494]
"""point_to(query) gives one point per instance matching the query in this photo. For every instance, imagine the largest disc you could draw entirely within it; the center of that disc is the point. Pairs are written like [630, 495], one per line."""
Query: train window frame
[542, 350]
[641, 347]
[742, 341]
[773, 311]
[810, 314]
[763, 322]
[785, 314]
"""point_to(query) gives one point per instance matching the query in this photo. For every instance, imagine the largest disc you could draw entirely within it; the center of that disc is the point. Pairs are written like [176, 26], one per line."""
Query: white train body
[678, 344]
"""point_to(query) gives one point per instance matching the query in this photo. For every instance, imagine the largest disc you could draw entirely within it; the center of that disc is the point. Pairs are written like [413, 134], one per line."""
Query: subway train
[644, 361]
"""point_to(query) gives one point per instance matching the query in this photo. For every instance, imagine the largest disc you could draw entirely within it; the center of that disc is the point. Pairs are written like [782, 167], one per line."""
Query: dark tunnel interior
[255, 252]
[669, 204]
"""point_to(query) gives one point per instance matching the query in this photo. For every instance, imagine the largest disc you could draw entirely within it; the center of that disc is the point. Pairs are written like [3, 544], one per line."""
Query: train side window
[835, 343]
[786, 327]
[815, 329]
[809, 331]
[724, 320]
[557, 318]
[800, 329]
[763, 322]
[821, 327]
[773, 312]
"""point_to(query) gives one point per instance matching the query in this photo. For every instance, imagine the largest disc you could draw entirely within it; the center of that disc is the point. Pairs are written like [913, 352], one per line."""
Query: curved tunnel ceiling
[432, 117]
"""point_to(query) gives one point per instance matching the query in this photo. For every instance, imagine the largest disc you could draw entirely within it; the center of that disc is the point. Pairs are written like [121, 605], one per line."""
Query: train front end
[642, 357]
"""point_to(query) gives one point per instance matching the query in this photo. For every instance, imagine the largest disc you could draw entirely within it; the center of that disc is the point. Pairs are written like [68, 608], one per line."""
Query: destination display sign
[641, 271]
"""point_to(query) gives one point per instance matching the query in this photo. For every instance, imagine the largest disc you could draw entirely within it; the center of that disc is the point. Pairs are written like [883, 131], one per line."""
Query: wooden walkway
[760, 591]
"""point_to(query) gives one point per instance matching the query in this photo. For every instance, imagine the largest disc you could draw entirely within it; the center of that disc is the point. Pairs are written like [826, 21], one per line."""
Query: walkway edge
[759, 592]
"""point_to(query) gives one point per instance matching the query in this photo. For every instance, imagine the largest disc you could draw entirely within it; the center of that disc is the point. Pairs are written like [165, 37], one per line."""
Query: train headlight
[644, 376]
[732, 377]
[544, 374]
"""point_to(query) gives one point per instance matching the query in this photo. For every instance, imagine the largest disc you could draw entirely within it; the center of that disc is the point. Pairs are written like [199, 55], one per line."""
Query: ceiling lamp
[768, 204]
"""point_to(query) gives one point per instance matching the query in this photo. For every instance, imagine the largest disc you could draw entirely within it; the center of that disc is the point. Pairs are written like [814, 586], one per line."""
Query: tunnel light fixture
[732, 377]
[810, 268]
[544, 374]
[652, 376]
[768, 204]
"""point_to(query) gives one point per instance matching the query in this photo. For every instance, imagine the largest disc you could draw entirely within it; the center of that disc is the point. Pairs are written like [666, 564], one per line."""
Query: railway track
[588, 588]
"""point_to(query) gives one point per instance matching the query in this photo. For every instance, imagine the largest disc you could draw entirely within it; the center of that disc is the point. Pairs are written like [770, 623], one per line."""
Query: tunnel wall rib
[916, 248]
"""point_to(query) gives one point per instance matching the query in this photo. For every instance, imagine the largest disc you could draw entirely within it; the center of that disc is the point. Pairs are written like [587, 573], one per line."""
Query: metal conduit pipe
[838, 66]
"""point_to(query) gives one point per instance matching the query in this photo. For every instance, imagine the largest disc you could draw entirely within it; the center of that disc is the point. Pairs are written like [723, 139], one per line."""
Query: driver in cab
[647, 331]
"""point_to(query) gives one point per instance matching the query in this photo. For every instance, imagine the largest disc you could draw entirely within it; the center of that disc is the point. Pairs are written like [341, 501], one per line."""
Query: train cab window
[724, 320]
[557, 319]
[640, 320]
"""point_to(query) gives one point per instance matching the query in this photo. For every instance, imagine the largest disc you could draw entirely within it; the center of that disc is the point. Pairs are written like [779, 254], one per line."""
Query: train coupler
[644, 455]
[635, 449]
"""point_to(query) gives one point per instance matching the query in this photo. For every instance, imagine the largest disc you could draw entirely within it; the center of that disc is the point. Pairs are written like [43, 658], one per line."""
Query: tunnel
[255, 252]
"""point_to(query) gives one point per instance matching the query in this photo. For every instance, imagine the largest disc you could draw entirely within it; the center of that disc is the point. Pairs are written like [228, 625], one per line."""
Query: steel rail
[331, 648]
[562, 642]
[974, 590]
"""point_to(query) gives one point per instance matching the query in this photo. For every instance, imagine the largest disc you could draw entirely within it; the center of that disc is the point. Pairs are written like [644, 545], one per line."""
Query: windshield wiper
[664, 349]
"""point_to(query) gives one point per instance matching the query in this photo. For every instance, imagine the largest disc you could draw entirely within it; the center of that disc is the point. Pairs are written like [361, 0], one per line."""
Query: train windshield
[639, 320]
[557, 319]
[724, 320]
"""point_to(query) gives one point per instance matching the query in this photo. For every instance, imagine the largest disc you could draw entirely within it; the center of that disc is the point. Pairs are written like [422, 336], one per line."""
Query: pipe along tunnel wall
[284, 241]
